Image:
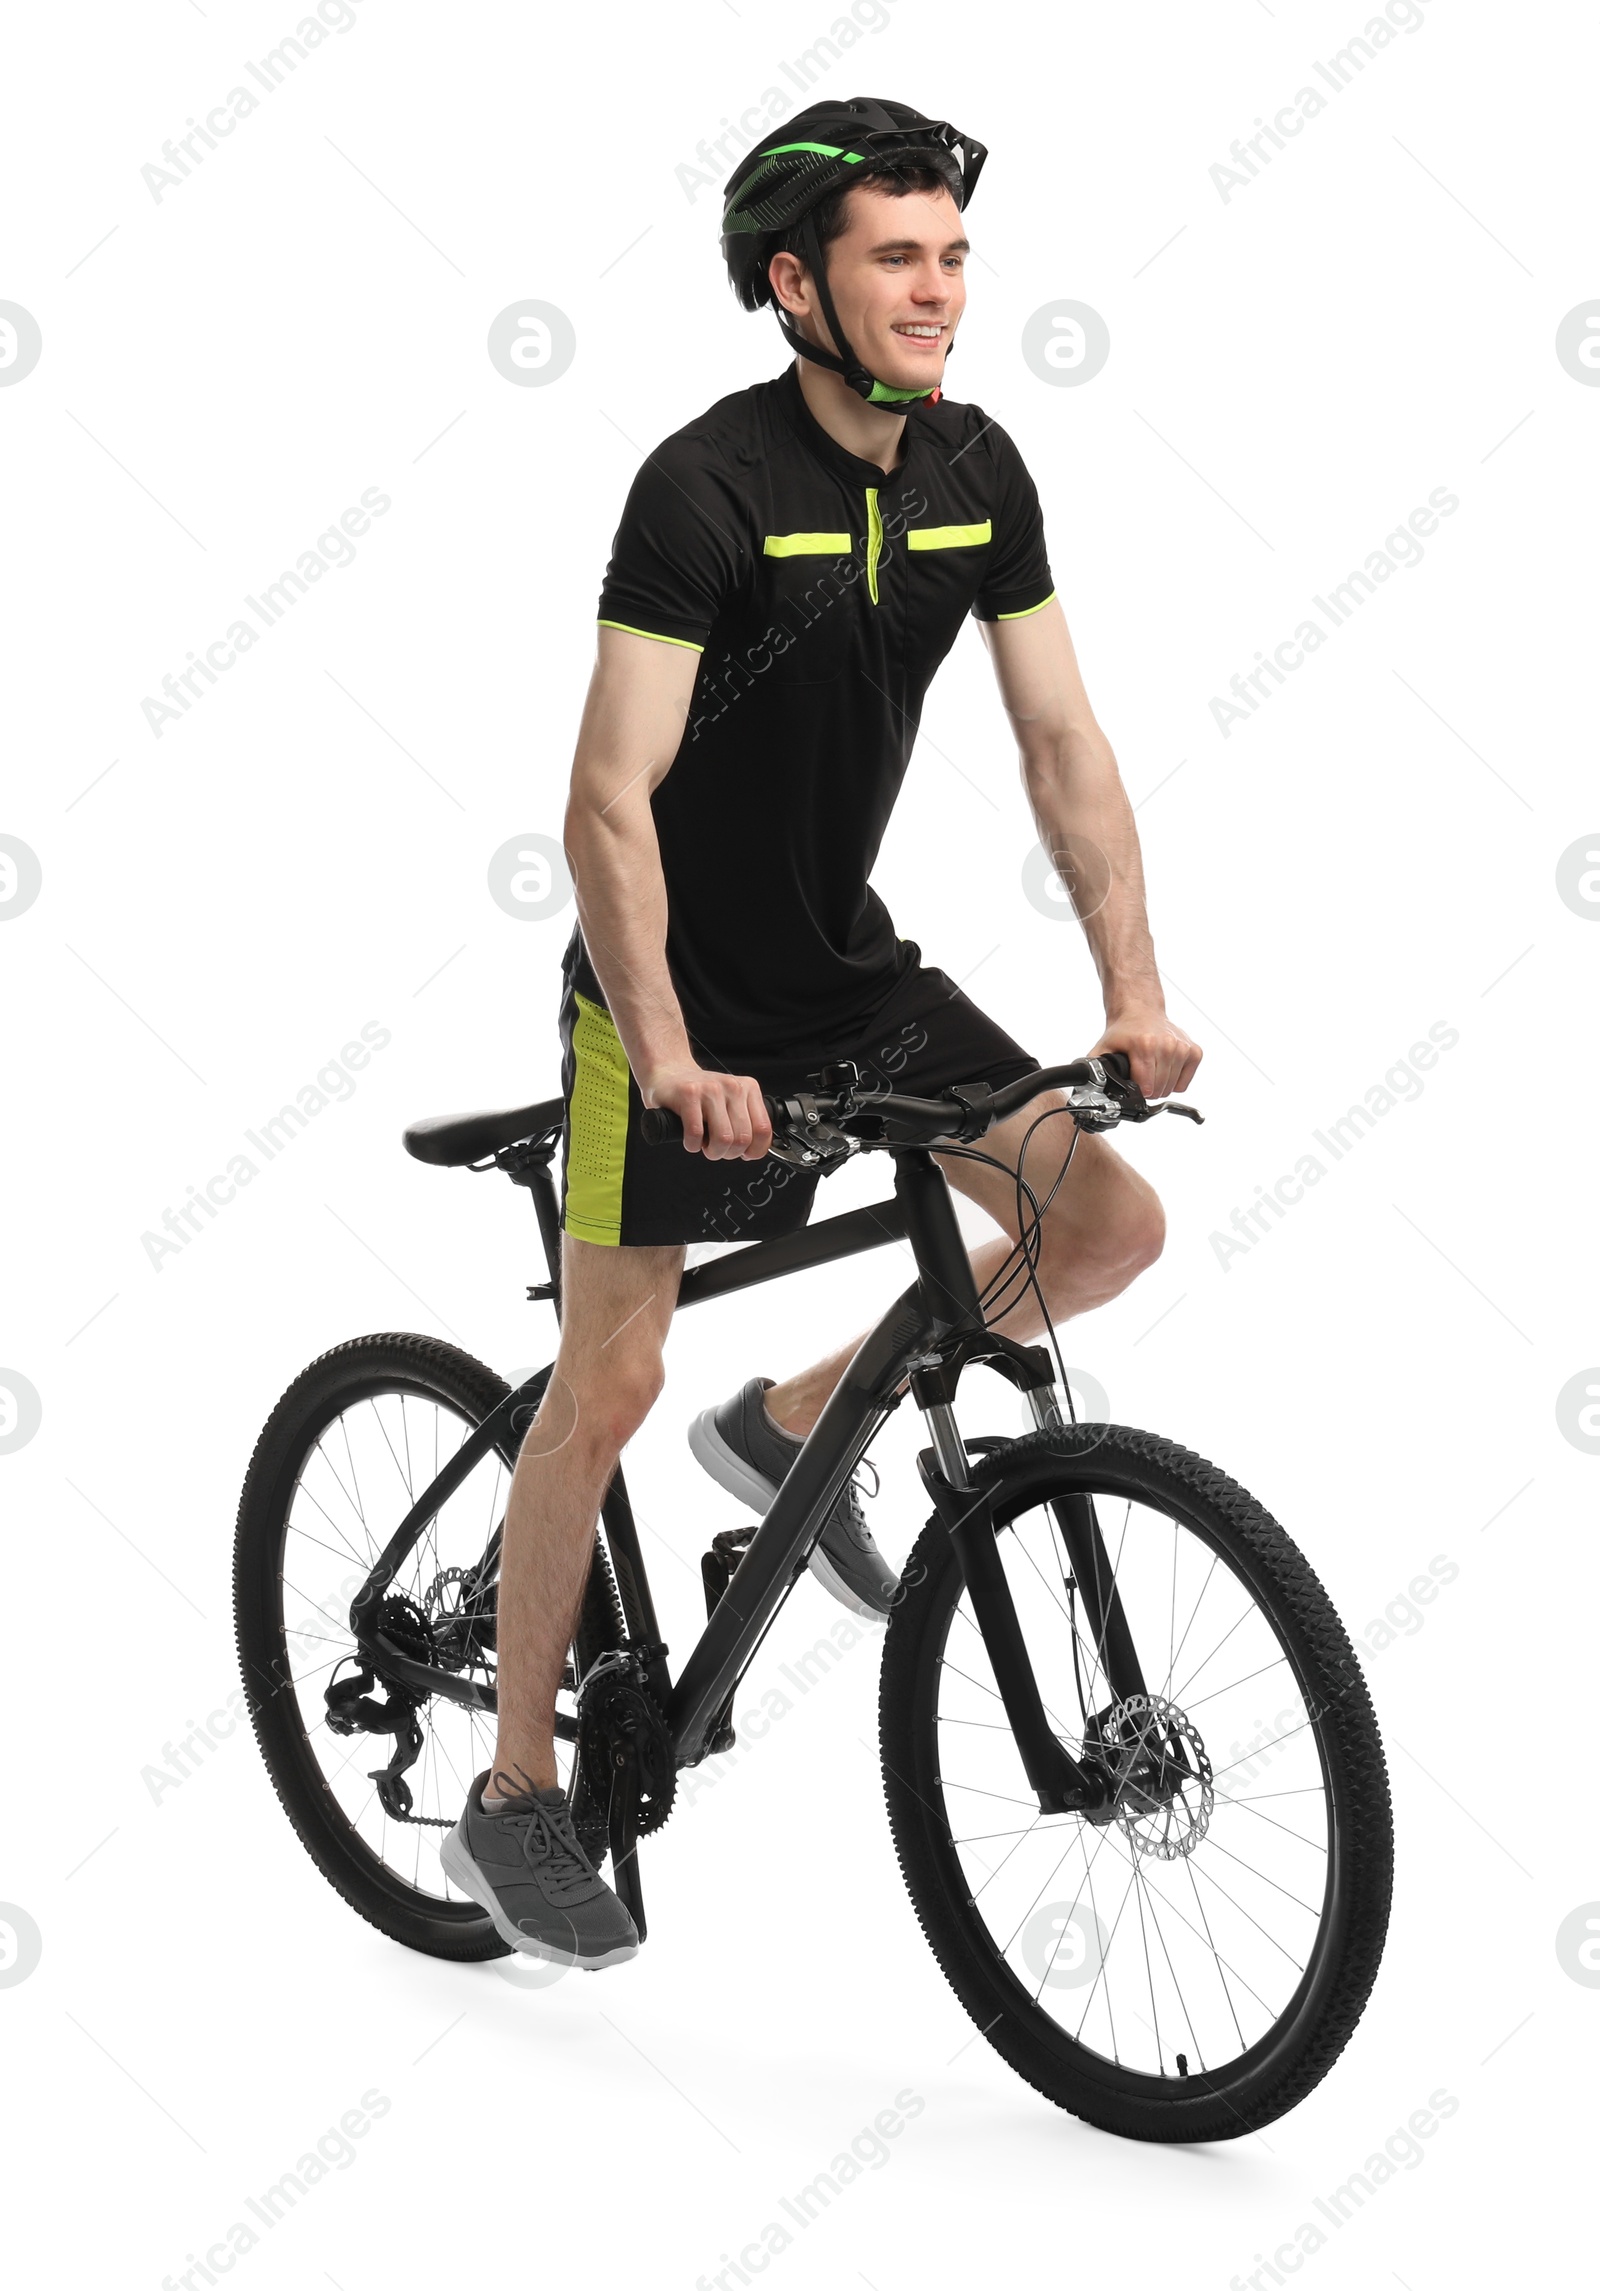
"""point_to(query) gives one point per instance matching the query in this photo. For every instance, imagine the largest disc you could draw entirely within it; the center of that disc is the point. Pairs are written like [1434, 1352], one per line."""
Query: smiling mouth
[920, 330]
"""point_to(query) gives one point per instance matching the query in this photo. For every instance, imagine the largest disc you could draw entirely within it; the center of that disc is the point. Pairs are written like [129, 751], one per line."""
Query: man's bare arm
[632, 724]
[1086, 823]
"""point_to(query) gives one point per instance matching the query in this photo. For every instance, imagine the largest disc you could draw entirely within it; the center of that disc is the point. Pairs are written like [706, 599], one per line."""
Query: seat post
[546, 1208]
[529, 1165]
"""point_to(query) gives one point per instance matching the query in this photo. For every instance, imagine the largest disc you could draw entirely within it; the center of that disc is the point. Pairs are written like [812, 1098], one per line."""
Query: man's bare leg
[1103, 1228]
[616, 1306]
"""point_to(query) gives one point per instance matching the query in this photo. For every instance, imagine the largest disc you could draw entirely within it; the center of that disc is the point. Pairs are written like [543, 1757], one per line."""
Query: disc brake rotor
[1160, 1773]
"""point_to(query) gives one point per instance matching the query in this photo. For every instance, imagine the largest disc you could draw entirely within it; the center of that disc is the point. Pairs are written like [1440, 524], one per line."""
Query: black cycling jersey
[822, 595]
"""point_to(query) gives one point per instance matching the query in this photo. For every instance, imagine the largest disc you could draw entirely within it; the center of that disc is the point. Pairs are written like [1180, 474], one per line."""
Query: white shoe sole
[463, 1872]
[740, 1479]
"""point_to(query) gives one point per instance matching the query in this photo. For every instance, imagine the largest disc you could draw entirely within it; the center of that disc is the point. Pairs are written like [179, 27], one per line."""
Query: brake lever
[1144, 1111]
[1130, 1102]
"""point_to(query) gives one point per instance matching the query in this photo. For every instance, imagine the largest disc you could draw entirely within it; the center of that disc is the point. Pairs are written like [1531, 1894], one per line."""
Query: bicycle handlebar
[807, 1127]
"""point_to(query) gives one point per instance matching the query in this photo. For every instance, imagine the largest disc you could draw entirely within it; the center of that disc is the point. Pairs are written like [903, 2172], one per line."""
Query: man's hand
[1162, 1057]
[724, 1115]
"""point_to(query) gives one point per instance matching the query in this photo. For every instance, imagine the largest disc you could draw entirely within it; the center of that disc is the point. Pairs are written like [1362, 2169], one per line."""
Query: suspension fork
[967, 1511]
[1092, 1571]
[949, 1295]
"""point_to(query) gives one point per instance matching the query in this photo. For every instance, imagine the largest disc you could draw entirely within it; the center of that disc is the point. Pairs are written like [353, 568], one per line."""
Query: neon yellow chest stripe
[807, 545]
[841, 544]
[949, 536]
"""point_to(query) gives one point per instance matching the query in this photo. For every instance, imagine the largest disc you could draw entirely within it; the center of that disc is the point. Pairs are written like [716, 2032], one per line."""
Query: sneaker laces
[847, 1511]
[550, 1846]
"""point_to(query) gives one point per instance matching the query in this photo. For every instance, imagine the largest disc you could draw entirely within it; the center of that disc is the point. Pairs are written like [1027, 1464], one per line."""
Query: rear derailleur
[352, 1710]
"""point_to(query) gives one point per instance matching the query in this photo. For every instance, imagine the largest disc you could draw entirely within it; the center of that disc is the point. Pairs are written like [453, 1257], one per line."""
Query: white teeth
[930, 332]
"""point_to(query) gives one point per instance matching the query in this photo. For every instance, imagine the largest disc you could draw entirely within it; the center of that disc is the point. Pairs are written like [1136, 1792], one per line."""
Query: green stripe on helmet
[828, 151]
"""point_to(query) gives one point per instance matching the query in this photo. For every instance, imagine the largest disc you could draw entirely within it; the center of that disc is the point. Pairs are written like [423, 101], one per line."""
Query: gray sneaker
[750, 1455]
[523, 1863]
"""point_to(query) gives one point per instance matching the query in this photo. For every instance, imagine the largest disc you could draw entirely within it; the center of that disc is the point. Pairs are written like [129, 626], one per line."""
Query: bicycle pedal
[718, 1565]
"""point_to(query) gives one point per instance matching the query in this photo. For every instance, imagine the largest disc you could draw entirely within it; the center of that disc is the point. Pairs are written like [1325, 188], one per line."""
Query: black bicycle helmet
[784, 182]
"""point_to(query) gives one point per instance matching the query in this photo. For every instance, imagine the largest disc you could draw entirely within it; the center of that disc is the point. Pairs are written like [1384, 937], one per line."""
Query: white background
[1292, 371]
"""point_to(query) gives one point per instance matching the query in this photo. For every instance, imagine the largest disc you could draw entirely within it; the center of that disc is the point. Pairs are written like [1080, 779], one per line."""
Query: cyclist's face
[898, 279]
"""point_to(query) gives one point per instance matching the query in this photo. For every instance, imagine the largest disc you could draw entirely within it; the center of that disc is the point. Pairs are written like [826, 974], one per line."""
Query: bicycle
[1079, 1644]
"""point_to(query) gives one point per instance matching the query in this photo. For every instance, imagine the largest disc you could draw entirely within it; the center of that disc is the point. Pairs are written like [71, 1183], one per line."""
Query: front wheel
[1188, 1963]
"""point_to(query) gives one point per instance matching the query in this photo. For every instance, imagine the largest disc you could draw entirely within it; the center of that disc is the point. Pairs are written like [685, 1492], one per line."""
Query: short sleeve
[676, 556]
[1016, 576]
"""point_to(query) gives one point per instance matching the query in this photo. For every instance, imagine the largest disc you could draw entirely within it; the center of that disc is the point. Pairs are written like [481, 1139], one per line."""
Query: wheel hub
[461, 1618]
[1157, 1773]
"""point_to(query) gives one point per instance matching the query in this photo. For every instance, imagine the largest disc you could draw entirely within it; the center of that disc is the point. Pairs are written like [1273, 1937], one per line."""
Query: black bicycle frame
[930, 1332]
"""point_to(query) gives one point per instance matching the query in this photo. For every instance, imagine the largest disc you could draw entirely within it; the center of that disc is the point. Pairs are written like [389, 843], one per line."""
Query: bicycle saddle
[449, 1140]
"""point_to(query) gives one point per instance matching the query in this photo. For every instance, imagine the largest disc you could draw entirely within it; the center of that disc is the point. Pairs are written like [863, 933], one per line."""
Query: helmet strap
[847, 364]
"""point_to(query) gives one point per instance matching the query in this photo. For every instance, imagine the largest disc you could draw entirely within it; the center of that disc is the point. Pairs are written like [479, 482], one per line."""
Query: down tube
[849, 1418]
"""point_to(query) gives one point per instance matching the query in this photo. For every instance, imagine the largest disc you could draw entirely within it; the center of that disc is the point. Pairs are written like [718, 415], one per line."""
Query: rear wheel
[343, 1457]
[1191, 1966]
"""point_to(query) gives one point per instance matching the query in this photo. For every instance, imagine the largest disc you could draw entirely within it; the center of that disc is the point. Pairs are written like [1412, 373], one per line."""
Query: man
[789, 572]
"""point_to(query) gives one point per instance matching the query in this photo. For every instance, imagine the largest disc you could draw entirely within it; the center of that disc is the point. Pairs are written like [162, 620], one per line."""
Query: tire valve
[1183, 2064]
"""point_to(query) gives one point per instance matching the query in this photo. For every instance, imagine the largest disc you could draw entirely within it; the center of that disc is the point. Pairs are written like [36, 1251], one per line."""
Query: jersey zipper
[874, 541]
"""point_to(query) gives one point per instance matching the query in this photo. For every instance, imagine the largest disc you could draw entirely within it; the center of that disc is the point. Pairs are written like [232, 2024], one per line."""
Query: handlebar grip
[659, 1125]
[1116, 1064]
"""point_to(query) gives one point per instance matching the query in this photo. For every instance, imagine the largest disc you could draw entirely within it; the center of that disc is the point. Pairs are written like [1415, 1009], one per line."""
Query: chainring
[620, 1722]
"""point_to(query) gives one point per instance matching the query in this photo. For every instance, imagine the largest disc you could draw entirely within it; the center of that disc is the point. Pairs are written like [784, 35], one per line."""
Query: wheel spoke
[1194, 1612]
[1180, 1694]
[362, 1558]
[1006, 1856]
[1194, 1701]
[1314, 1844]
[1255, 1921]
[405, 1476]
[308, 1537]
[344, 1427]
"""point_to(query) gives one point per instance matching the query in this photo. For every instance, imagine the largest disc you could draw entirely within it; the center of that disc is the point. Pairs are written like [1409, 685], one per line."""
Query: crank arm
[622, 1823]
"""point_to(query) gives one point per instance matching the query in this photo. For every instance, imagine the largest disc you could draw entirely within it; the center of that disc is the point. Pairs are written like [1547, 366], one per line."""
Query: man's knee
[616, 1308]
[1115, 1248]
[1142, 1233]
[611, 1392]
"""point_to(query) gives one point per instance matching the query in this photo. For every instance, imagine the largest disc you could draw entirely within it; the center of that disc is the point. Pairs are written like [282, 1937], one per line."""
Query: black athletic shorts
[617, 1189]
